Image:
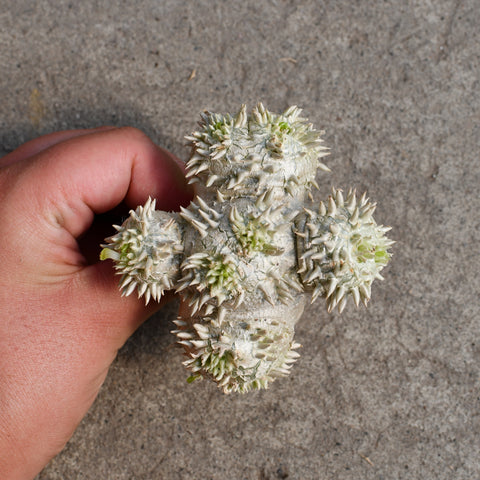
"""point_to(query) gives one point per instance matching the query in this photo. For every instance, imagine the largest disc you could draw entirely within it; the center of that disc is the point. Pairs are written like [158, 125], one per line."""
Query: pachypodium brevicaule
[248, 252]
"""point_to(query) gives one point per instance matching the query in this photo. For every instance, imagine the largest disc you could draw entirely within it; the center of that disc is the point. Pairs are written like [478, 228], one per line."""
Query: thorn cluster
[341, 249]
[147, 251]
[238, 356]
[213, 277]
[255, 228]
[201, 216]
[245, 155]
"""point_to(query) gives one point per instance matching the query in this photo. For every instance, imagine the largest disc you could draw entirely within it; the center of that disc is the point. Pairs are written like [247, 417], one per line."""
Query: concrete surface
[391, 392]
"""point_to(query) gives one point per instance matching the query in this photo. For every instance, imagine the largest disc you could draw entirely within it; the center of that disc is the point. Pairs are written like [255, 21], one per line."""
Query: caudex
[248, 252]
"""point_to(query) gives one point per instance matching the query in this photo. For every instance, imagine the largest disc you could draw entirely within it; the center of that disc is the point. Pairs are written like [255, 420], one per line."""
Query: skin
[62, 319]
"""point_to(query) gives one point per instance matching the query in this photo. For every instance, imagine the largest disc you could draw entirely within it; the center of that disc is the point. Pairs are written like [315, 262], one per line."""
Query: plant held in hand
[247, 252]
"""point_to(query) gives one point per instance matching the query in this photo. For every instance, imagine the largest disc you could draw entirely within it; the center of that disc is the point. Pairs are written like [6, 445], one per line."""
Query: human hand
[62, 319]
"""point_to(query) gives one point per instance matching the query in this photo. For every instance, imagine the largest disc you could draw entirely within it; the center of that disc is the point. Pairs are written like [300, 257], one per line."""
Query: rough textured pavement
[388, 392]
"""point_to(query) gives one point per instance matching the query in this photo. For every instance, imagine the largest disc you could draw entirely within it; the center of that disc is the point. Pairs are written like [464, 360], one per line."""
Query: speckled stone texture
[388, 393]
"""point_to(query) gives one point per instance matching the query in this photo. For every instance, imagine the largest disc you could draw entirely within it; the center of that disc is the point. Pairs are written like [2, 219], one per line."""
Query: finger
[75, 179]
[37, 145]
[72, 181]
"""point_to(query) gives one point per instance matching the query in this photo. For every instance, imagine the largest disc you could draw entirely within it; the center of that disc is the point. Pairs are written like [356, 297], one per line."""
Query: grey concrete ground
[388, 392]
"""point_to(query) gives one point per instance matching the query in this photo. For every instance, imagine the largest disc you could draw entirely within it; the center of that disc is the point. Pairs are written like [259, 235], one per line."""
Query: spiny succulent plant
[247, 252]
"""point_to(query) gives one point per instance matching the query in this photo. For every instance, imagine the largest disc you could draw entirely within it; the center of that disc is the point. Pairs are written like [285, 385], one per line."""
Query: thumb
[115, 317]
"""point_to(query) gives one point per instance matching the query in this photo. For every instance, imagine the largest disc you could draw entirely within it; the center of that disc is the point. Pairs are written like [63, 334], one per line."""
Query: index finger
[75, 179]
[36, 145]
